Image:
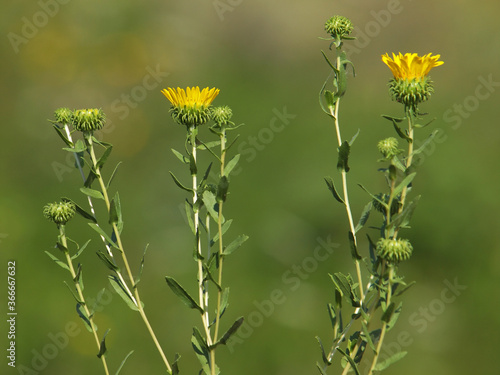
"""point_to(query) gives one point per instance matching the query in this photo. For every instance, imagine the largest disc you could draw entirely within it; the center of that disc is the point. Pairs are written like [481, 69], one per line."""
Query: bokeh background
[265, 57]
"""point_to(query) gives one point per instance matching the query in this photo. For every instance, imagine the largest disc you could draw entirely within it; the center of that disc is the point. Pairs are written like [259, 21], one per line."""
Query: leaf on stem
[232, 163]
[224, 228]
[72, 291]
[122, 292]
[210, 202]
[112, 177]
[389, 361]
[364, 216]
[331, 187]
[62, 135]
[344, 150]
[104, 156]
[80, 210]
[354, 249]
[92, 193]
[138, 278]
[181, 157]
[81, 313]
[222, 189]
[235, 244]
[426, 142]
[79, 146]
[179, 184]
[406, 181]
[123, 362]
[102, 347]
[202, 351]
[400, 132]
[98, 229]
[115, 212]
[395, 316]
[350, 360]
[387, 315]
[108, 262]
[58, 262]
[180, 292]
[80, 250]
[323, 354]
[231, 331]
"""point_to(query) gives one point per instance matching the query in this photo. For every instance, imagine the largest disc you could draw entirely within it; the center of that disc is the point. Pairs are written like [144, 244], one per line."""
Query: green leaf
[354, 137]
[205, 176]
[123, 363]
[389, 361]
[80, 250]
[58, 262]
[92, 193]
[405, 288]
[80, 210]
[345, 287]
[179, 184]
[202, 351]
[113, 175]
[115, 212]
[98, 229]
[320, 369]
[332, 315]
[104, 156]
[331, 187]
[79, 277]
[180, 292]
[351, 361]
[224, 229]
[367, 336]
[330, 99]
[108, 262]
[235, 244]
[343, 160]
[393, 119]
[231, 331]
[175, 364]
[62, 135]
[406, 181]
[395, 316]
[352, 245]
[102, 347]
[85, 318]
[387, 315]
[72, 291]
[230, 166]
[181, 157]
[192, 165]
[400, 132]
[222, 189]
[189, 213]
[426, 142]
[122, 292]
[211, 203]
[403, 219]
[364, 216]
[79, 146]
[224, 302]
[323, 354]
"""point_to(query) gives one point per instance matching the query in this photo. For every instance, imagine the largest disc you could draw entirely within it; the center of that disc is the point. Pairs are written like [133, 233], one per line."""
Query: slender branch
[80, 294]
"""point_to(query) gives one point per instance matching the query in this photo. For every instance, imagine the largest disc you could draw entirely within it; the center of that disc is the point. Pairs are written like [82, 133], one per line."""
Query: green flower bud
[63, 115]
[411, 92]
[60, 213]
[338, 27]
[88, 120]
[388, 147]
[394, 251]
[222, 115]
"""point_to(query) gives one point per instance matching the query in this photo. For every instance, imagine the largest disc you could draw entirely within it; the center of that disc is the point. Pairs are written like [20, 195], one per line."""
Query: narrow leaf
[354, 137]
[80, 210]
[351, 361]
[387, 315]
[331, 187]
[85, 318]
[108, 262]
[389, 361]
[407, 180]
[58, 262]
[80, 250]
[104, 156]
[344, 150]
[98, 229]
[179, 184]
[102, 347]
[115, 212]
[401, 133]
[123, 363]
[72, 291]
[210, 202]
[111, 179]
[180, 292]
[138, 279]
[62, 135]
[181, 157]
[332, 315]
[189, 215]
[323, 354]
[231, 331]
[122, 292]
[230, 166]
[92, 193]
[320, 369]
[222, 189]
[364, 216]
[354, 249]
[395, 316]
[426, 142]
[235, 244]
[224, 228]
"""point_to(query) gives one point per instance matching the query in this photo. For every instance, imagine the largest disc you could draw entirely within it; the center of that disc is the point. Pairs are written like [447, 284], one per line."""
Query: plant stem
[62, 235]
[135, 296]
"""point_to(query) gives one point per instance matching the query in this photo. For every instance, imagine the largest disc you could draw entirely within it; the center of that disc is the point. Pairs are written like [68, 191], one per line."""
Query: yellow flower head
[410, 65]
[190, 107]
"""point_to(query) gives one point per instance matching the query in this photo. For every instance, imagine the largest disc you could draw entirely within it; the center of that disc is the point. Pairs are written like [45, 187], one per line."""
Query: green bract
[63, 115]
[338, 27]
[394, 251]
[59, 213]
[88, 120]
[411, 92]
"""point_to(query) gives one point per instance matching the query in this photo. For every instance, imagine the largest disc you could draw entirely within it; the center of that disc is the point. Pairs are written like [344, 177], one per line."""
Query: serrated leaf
[123, 363]
[353, 247]
[179, 184]
[113, 175]
[122, 292]
[344, 150]
[92, 193]
[82, 314]
[108, 262]
[98, 229]
[102, 347]
[389, 361]
[331, 187]
[364, 216]
[230, 166]
[180, 292]
[235, 244]
[231, 331]
[58, 262]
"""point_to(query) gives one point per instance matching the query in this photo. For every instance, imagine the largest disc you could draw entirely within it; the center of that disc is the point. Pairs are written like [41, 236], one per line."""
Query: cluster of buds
[84, 120]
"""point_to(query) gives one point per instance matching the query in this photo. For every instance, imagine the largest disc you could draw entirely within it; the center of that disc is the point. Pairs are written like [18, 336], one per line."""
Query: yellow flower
[410, 65]
[190, 107]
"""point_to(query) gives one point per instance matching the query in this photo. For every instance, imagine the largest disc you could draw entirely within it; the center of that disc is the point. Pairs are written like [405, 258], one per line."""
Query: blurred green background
[265, 57]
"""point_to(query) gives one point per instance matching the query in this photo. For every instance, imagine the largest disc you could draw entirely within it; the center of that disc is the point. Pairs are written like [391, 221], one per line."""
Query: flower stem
[62, 236]
[135, 296]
